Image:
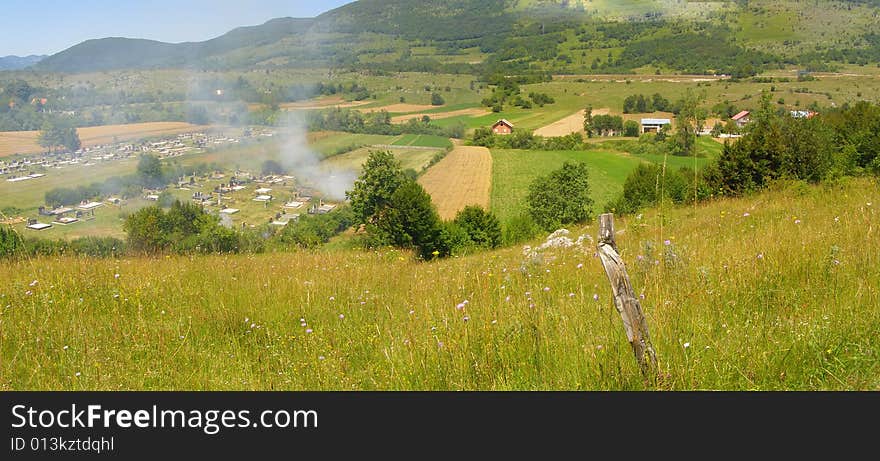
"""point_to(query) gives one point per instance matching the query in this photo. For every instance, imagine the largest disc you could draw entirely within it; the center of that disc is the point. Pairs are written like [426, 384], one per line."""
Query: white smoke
[305, 164]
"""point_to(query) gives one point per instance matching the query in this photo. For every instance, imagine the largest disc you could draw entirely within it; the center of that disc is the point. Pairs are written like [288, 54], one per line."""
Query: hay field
[25, 142]
[462, 178]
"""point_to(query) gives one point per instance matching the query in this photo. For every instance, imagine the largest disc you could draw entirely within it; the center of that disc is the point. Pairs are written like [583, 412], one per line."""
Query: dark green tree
[481, 226]
[381, 177]
[150, 171]
[409, 220]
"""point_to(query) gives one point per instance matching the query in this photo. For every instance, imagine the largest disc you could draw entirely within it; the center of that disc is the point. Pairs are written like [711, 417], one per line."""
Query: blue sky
[49, 26]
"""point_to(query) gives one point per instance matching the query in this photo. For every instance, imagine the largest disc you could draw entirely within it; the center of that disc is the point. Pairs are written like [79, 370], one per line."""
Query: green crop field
[514, 170]
[417, 159]
[422, 140]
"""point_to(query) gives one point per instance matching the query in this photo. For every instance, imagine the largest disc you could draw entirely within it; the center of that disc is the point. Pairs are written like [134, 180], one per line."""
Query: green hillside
[524, 36]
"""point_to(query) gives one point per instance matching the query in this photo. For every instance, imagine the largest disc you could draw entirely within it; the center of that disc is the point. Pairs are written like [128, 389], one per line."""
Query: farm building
[33, 224]
[802, 114]
[741, 119]
[653, 125]
[502, 127]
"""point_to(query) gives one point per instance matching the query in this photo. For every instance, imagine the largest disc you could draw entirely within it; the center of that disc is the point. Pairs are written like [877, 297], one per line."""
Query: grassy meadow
[514, 170]
[779, 291]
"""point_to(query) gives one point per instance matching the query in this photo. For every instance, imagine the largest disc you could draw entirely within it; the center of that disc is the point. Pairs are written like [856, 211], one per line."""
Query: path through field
[462, 178]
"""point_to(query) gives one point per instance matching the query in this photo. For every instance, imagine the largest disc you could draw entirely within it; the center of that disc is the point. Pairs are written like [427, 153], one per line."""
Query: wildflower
[531, 305]
[308, 330]
[546, 288]
[599, 347]
[580, 265]
[465, 302]
[571, 295]
[341, 316]
[411, 312]
[435, 253]
[34, 283]
[687, 345]
[746, 214]
[320, 357]
[494, 322]
[528, 293]
[406, 342]
[642, 296]
[460, 306]
[640, 257]
[77, 374]
[507, 299]
[836, 262]
[440, 344]
[595, 296]
[797, 221]
[760, 256]
[253, 325]
[65, 347]
[466, 318]
[303, 324]
[332, 298]
[667, 242]
[837, 219]
[245, 319]
[29, 292]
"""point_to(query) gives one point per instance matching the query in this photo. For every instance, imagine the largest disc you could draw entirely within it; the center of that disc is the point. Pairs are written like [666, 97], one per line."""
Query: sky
[49, 26]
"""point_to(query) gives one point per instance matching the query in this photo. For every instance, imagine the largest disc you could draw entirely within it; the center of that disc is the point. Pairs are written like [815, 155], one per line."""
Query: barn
[654, 125]
[741, 119]
[502, 127]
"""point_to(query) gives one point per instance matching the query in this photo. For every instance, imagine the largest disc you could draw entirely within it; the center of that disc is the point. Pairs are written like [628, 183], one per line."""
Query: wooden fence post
[625, 299]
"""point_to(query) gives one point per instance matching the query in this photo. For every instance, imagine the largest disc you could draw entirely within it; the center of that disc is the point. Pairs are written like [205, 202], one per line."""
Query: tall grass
[776, 291]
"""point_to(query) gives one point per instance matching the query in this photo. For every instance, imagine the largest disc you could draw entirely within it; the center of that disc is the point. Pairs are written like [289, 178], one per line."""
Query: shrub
[519, 229]
[481, 226]
[561, 198]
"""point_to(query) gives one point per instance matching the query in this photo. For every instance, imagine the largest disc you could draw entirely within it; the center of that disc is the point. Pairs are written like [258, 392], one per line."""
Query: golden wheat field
[462, 178]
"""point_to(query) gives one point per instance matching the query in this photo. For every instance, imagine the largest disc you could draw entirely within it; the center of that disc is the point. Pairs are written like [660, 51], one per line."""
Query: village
[240, 198]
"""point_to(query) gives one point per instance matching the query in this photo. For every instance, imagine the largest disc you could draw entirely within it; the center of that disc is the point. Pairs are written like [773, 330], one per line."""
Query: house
[654, 125]
[502, 127]
[741, 119]
[802, 114]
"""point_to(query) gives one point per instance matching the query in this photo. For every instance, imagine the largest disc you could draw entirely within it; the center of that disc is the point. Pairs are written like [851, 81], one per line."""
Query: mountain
[513, 36]
[19, 62]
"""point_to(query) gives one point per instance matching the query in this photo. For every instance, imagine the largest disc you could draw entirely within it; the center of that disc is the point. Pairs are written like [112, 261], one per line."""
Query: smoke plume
[299, 158]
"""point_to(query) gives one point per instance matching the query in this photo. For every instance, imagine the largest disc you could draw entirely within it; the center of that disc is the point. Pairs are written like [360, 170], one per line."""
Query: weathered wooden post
[625, 299]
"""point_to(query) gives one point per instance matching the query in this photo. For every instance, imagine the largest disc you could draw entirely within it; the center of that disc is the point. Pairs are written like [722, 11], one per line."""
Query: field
[462, 178]
[738, 300]
[25, 142]
[417, 159]
[514, 170]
